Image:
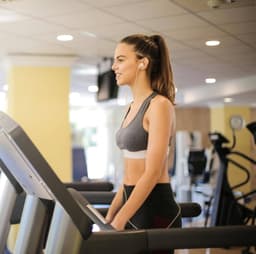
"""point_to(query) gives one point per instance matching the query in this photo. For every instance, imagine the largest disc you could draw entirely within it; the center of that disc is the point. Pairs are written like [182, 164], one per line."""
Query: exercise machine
[71, 224]
[226, 208]
[18, 160]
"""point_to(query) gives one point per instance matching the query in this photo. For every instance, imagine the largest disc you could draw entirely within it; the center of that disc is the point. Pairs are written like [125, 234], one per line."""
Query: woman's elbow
[154, 176]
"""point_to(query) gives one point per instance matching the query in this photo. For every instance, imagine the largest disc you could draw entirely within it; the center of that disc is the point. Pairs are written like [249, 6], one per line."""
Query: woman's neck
[141, 90]
[141, 94]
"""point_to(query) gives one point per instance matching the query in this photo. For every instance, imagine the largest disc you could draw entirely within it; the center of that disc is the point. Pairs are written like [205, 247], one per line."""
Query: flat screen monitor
[107, 87]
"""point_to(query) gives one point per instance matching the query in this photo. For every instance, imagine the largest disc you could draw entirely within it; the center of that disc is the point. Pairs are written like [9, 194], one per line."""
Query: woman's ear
[141, 66]
[143, 63]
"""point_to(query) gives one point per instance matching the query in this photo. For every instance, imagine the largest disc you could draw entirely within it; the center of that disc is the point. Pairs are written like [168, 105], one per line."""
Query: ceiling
[28, 28]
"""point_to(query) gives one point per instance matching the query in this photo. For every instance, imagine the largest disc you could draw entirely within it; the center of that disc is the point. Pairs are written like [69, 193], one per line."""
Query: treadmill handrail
[167, 239]
[198, 237]
[90, 211]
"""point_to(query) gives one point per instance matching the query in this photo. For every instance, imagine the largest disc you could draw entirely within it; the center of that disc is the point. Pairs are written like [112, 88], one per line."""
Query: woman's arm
[160, 117]
[115, 205]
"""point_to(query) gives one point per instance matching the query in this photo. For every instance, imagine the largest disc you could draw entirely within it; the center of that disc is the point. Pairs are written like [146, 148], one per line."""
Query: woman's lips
[118, 75]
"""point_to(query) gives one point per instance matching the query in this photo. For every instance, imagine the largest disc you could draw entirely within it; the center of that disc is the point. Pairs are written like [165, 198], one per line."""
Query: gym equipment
[226, 208]
[88, 186]
[16, 199]
[71, 224]
[99, 199]
[252, 128]
[91, 185]
[38, 208]
[197, 161]
[9, 190]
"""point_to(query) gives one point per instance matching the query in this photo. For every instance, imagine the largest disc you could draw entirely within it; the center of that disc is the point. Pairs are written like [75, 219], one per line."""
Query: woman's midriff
[134, 169]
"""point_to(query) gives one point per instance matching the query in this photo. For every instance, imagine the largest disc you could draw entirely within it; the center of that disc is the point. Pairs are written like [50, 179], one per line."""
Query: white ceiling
[186, 25]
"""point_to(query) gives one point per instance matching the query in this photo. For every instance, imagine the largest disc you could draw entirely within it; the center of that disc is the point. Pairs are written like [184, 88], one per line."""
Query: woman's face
[125, 64]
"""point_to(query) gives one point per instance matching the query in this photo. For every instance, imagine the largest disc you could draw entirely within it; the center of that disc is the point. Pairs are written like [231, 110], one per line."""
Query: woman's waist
[160, 193]
[132, 179]
[134, 170]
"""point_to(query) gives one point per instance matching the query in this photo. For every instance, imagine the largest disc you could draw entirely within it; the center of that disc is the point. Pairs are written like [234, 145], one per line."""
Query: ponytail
[162, 76]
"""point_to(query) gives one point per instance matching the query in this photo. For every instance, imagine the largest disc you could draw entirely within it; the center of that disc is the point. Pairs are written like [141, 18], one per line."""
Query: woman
[145, 199]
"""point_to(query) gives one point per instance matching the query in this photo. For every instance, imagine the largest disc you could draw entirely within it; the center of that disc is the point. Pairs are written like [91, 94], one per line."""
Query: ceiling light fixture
[9, 16]
[210, 80]
[212, 43]
[65, 37]
[93, 89]
[228, 100]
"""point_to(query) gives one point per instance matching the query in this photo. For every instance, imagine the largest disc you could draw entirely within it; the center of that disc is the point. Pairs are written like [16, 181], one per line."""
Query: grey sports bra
[134, 137]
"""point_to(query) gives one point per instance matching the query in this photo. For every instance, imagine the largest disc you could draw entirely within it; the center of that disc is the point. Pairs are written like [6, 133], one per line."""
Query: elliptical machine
[226, 208]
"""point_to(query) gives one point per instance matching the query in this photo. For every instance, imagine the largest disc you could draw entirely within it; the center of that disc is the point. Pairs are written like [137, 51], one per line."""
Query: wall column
[38, 99]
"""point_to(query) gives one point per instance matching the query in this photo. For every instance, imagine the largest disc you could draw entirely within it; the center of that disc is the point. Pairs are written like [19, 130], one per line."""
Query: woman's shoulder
[161, 102]
[160, 108]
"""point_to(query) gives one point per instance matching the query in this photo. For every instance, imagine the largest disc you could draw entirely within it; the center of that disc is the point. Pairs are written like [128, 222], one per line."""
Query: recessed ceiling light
[228, 99]
[9, 16]
[210, 80]
[176, 89]
[65, 37]
[212, 43]
[93, 89]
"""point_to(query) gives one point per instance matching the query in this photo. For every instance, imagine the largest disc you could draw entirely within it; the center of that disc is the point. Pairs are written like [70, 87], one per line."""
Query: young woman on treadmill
[145, 199]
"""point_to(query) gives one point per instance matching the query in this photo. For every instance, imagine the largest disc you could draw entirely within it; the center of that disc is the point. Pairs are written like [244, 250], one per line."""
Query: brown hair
[159, 70]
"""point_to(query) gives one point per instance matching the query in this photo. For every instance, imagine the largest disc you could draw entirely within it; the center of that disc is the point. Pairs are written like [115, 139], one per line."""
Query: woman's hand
[108, 218]
[117, 224]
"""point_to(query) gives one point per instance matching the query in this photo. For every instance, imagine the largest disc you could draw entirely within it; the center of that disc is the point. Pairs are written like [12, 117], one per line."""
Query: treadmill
[73, 216]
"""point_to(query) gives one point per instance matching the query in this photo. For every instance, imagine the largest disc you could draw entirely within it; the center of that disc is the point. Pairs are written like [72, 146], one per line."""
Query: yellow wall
[253, 148]
[38, 101]
[217, 116]
[220, 118]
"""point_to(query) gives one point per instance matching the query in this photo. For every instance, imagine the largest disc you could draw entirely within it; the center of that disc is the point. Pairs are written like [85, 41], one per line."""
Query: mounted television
[107, 87]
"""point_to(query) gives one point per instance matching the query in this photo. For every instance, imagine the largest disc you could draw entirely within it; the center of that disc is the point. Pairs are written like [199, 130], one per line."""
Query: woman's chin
[119, 82]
